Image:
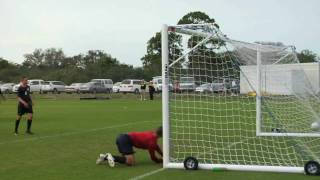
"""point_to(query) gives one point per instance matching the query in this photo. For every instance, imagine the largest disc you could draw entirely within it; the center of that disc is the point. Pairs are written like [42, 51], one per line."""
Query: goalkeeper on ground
[125, 142]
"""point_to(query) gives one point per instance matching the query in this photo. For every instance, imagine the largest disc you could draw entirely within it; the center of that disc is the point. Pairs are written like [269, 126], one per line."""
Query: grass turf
[71, 133]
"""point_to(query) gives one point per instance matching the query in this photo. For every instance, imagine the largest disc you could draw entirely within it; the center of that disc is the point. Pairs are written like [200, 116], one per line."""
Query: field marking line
[73, 133]
[147, 174]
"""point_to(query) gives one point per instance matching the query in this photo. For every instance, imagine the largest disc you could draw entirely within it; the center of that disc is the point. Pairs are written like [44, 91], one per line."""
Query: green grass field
[69, 135]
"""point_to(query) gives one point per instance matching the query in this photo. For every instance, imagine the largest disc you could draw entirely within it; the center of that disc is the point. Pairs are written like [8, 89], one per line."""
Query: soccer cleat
[29, 132]
[101, 159]
[16, 133]
[110, 160]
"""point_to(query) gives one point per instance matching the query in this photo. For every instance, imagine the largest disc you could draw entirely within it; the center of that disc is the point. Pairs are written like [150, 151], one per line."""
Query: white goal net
[237, 105]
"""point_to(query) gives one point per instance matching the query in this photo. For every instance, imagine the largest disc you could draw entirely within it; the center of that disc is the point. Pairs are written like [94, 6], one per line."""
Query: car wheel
[55, 91]
[136, 91]
[190, 163]
[312, 168]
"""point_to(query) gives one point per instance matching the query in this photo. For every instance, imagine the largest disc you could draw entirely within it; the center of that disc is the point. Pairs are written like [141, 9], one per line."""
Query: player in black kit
[24, 105]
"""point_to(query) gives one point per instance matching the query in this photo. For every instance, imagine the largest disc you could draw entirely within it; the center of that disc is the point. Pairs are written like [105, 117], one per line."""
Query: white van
[130, 85]
[35, 85]
[157, 83]
[106, 83]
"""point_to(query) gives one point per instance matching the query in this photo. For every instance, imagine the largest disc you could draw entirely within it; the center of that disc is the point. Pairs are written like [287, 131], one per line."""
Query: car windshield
[125, 81]
[205, 85]
[89, 83]
[46, 83]
[117, 84]
[94, 80]
[187, 80]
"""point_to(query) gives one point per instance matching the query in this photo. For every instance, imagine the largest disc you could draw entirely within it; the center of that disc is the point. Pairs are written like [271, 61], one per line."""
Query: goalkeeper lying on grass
[125, 142]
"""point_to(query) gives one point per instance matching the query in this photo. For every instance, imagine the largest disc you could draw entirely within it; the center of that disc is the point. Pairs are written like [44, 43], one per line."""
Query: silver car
[221, 85]
[93, 87]
[187, 84]
[205, 88]
[116, 87]
[53, 86]
[73, 88]
[7, 88]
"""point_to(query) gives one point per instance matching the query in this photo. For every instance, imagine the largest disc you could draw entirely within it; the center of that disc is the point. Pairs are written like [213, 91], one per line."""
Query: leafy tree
[307, 56]
[36, 58]
[196, 17]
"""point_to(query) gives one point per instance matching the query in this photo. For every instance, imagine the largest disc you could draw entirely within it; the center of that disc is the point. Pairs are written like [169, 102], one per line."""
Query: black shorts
[124, 144]
[23, 110]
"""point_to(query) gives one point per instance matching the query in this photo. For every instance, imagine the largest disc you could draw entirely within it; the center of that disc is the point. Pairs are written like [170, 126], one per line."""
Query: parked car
[92, 87]
[187, 84]
[130, 86]
[35, 85]
[15, 88]
[116, 87]
[157, 83]
[107, 83]
[73, 88]
[221, 85]
[53, 86]
[7, 88]
[204, 88]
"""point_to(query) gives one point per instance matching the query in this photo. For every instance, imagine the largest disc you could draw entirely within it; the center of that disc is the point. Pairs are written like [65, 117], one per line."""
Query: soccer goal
[234, 105]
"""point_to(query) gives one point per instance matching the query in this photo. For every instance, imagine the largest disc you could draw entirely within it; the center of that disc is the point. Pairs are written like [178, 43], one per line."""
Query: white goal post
[236, 105]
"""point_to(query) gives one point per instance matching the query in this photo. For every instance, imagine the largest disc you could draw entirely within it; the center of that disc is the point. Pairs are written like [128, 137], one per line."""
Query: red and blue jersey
[146, 140]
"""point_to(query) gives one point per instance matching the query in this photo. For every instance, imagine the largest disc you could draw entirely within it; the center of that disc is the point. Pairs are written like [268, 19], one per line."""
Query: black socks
[119, 159]
[29, 122]
[17, 125]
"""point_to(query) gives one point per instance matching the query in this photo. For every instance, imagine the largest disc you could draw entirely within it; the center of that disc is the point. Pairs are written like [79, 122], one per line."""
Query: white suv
[130, 85]
[106, 83]
[35, 85]
[187, 84]
[53, 86]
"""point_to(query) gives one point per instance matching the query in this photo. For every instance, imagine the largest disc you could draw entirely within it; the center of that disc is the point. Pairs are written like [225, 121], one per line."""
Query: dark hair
[22, 78]
[159, 131]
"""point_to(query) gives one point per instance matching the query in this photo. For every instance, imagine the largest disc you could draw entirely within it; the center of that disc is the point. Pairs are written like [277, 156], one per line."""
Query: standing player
[24, 105]
[125, 142]
[151, 90]
[143, 90]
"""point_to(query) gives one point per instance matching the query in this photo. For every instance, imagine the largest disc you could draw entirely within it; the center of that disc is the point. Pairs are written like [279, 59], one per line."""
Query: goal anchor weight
[312, 168]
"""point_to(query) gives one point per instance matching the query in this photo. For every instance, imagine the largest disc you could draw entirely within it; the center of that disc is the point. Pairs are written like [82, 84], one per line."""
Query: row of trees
[53, 64]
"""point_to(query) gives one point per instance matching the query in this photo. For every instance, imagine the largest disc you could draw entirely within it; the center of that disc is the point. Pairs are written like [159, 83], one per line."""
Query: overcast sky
[122, 27]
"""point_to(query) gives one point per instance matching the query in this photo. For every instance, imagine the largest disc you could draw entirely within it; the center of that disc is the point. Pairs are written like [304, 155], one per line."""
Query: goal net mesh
[213, 83]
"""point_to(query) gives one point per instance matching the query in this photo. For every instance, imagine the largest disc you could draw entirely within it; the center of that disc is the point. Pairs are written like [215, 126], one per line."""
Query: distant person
[143, 90]
[125, 142]
[1, 95]
[151, 90]
[233, 87]
[24, 105]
